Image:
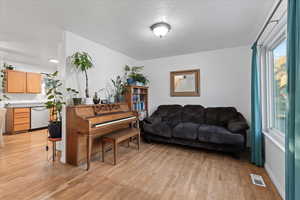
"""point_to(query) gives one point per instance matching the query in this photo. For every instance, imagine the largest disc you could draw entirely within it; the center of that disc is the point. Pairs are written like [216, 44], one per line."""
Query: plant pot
[89, 101]
[54, 129]
[130, 81]
[96, 100]
[77, 101]
[119, 98]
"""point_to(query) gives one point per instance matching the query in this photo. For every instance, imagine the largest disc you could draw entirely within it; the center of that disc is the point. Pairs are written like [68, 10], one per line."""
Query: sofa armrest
[152, 120]
[238, 125]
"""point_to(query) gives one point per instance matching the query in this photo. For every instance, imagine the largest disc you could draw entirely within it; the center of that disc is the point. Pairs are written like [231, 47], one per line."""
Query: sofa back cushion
[219, 116]
[165, 111]
[193, 113]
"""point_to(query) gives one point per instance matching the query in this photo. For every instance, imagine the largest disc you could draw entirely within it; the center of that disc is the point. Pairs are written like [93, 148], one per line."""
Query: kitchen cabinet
[22, 82]
[15, 81]
[33, 82]
[17, 120]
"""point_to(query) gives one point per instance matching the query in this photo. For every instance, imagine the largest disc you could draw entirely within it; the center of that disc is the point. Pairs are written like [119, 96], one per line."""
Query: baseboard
[277, 184]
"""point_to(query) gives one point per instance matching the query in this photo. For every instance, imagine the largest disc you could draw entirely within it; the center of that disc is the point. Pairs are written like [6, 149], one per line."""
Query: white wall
[224, 74]
[108, 64]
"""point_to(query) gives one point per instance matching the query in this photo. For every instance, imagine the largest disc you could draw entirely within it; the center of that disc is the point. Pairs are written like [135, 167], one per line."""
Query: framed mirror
[185, 83]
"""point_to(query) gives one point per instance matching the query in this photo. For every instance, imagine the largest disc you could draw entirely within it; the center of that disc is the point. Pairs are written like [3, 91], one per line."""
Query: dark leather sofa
[220, 128]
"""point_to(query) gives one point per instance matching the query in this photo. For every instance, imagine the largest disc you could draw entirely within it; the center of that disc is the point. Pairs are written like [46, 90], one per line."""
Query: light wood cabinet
[33, 82]
[17, 120]
[15, 81]
[22, 82]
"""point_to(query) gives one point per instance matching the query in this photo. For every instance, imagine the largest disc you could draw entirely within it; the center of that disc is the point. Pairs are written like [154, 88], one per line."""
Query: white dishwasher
[39, 117]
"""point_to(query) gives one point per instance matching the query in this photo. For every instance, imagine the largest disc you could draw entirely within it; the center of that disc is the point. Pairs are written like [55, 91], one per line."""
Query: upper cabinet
[22, 82]
[33, 81]
[15, 81]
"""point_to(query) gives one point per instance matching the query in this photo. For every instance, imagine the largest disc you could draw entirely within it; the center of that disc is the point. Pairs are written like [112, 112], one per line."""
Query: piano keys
[86, 123]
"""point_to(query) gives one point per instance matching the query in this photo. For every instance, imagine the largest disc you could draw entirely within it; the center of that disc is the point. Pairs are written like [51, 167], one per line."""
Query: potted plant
[82, 61]
[2, 76]
[2, 98]
[134, 75]
[8, 67]
[96, 98]
[119, 89]
[54, 103]
[73, 93]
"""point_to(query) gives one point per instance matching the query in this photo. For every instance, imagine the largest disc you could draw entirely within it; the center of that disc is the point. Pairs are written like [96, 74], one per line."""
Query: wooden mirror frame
[185, 94]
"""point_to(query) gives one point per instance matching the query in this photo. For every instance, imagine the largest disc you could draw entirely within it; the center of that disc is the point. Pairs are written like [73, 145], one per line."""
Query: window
[279, 98]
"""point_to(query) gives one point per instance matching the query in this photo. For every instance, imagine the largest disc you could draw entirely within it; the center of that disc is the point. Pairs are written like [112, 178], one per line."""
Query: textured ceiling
[197, 25]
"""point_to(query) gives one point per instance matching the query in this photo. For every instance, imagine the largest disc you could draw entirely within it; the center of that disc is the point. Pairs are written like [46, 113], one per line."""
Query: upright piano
[85, 123]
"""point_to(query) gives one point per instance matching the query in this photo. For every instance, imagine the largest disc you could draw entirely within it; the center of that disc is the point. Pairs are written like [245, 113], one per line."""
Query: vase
[54, 129]
[89, 101]
[130, 81]
[77, 101]
[96, 100]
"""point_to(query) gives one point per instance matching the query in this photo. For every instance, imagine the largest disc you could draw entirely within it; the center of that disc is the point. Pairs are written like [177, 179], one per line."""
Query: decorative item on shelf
[8, 67]
[119, 89]
[55, 102]
[96, 98]
[74, 93]
[82, 61]
[104, 101]
[134, 76]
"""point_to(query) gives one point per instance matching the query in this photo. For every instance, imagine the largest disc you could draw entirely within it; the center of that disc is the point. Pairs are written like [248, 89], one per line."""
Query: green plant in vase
[119, 88]
[134, 75]
[74, 94]
[55, 102]
[82, 62]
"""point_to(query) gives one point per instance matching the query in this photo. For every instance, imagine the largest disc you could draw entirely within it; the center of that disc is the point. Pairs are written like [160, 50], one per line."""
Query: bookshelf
[137, 99]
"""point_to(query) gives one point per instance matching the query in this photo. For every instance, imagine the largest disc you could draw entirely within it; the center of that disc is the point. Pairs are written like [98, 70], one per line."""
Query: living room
[149, 100]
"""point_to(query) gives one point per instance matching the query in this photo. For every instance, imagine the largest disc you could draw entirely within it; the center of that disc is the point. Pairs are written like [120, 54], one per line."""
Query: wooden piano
[87, 122]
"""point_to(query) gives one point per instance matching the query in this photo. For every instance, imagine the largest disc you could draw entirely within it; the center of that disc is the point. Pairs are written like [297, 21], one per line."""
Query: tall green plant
[55, 100]
[82, 61]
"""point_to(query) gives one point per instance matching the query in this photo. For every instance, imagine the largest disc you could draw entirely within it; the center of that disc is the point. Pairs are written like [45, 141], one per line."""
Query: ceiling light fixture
[54, 61]
[160, 29]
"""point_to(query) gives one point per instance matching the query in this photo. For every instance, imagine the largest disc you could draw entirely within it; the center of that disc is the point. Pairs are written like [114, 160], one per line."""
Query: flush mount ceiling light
[54, 61]
[160, 29]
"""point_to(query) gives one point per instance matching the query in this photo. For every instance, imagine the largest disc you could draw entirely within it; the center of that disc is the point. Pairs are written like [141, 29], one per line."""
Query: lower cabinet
[17, 120]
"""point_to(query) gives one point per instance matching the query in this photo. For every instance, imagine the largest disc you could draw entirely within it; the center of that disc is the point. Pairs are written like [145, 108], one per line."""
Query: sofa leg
[147, 140]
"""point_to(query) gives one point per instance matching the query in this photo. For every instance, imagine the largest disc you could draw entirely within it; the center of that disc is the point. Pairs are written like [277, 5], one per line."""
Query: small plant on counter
[134, 75]
[74, 94]
[119, 88]
[82, 61]
[55, 102]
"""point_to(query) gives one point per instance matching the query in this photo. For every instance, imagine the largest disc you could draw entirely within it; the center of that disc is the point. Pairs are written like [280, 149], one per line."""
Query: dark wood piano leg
[115, 152]
[103, 149]
[88, 151]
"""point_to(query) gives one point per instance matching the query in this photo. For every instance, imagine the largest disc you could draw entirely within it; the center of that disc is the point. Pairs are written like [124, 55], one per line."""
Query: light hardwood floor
[157, 172]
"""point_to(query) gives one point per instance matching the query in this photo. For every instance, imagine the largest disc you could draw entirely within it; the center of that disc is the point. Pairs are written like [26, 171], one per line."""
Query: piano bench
[118, 137]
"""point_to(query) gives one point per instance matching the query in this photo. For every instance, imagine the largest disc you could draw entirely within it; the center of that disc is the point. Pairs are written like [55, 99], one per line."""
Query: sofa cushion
[193, 113]
[164, 111]
[160, 129]
[218, 135]
[187, 130]
[220, 115]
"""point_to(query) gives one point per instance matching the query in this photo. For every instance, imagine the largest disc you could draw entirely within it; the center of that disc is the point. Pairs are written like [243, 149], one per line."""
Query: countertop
[24, 104]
